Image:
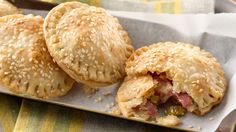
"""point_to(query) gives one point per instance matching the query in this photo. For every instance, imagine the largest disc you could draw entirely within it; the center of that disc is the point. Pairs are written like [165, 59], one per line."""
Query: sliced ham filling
[163, 91]
[151, 109]
[184, 99]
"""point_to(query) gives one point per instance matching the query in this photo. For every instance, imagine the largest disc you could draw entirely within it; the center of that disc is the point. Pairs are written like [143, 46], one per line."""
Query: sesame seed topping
[44, 49]
[201, 90]
[30, 60]
[36, 62]
[5, 73]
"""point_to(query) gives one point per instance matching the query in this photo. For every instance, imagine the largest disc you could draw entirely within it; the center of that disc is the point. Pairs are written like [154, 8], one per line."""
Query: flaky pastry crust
[26, 67]
[87, 43]
[192, 70]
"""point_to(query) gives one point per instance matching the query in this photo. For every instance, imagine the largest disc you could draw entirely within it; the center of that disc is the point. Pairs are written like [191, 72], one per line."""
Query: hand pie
[7, 8]
[182, 75]
[87, 43]
[26, 67]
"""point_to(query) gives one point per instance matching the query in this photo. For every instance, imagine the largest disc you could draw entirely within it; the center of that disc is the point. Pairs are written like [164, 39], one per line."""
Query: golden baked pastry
[7, 8]
[87, 43]
[175, 72]
[26, 67]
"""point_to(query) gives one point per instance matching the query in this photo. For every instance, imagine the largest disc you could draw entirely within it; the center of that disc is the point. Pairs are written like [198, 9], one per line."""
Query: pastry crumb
[210, 119]
[107, 94]
[199, 128]
[89, 90]
[108, 106]
[89, 96]
[169, 120]
[99, 99]
[190, 126]
[112, 104]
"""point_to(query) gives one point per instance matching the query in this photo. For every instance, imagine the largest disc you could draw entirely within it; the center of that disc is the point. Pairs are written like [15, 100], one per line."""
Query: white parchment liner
[215, 33]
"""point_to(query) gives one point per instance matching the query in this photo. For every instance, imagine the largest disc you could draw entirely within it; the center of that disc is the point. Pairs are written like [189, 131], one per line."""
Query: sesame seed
[53, 60]
[14, 57]
[5, 73]
[83, 51]
[36, 62]
[190, 126]
[84, 44]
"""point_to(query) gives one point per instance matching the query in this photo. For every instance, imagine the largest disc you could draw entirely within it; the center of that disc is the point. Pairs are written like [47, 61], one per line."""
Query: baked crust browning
[191, 69]
[190, 73]
[87, 43]
[26, 67]
[7, 8]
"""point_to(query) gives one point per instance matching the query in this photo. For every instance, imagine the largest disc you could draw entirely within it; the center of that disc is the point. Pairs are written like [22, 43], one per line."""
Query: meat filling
[163, 92]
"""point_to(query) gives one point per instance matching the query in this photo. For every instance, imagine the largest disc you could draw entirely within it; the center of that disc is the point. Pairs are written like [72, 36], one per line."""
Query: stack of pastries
[75, 42]
[81, 43]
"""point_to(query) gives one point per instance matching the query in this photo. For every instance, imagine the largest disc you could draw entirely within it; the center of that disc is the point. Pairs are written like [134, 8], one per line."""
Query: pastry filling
[177, 103]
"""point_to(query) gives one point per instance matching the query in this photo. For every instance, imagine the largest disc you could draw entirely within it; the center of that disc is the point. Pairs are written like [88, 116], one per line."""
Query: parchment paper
[215, 33]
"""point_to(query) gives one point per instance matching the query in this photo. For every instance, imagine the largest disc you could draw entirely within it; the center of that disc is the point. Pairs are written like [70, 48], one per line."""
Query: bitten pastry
[26, 67]
[180, 75]
[7, 8]
[87, 43]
